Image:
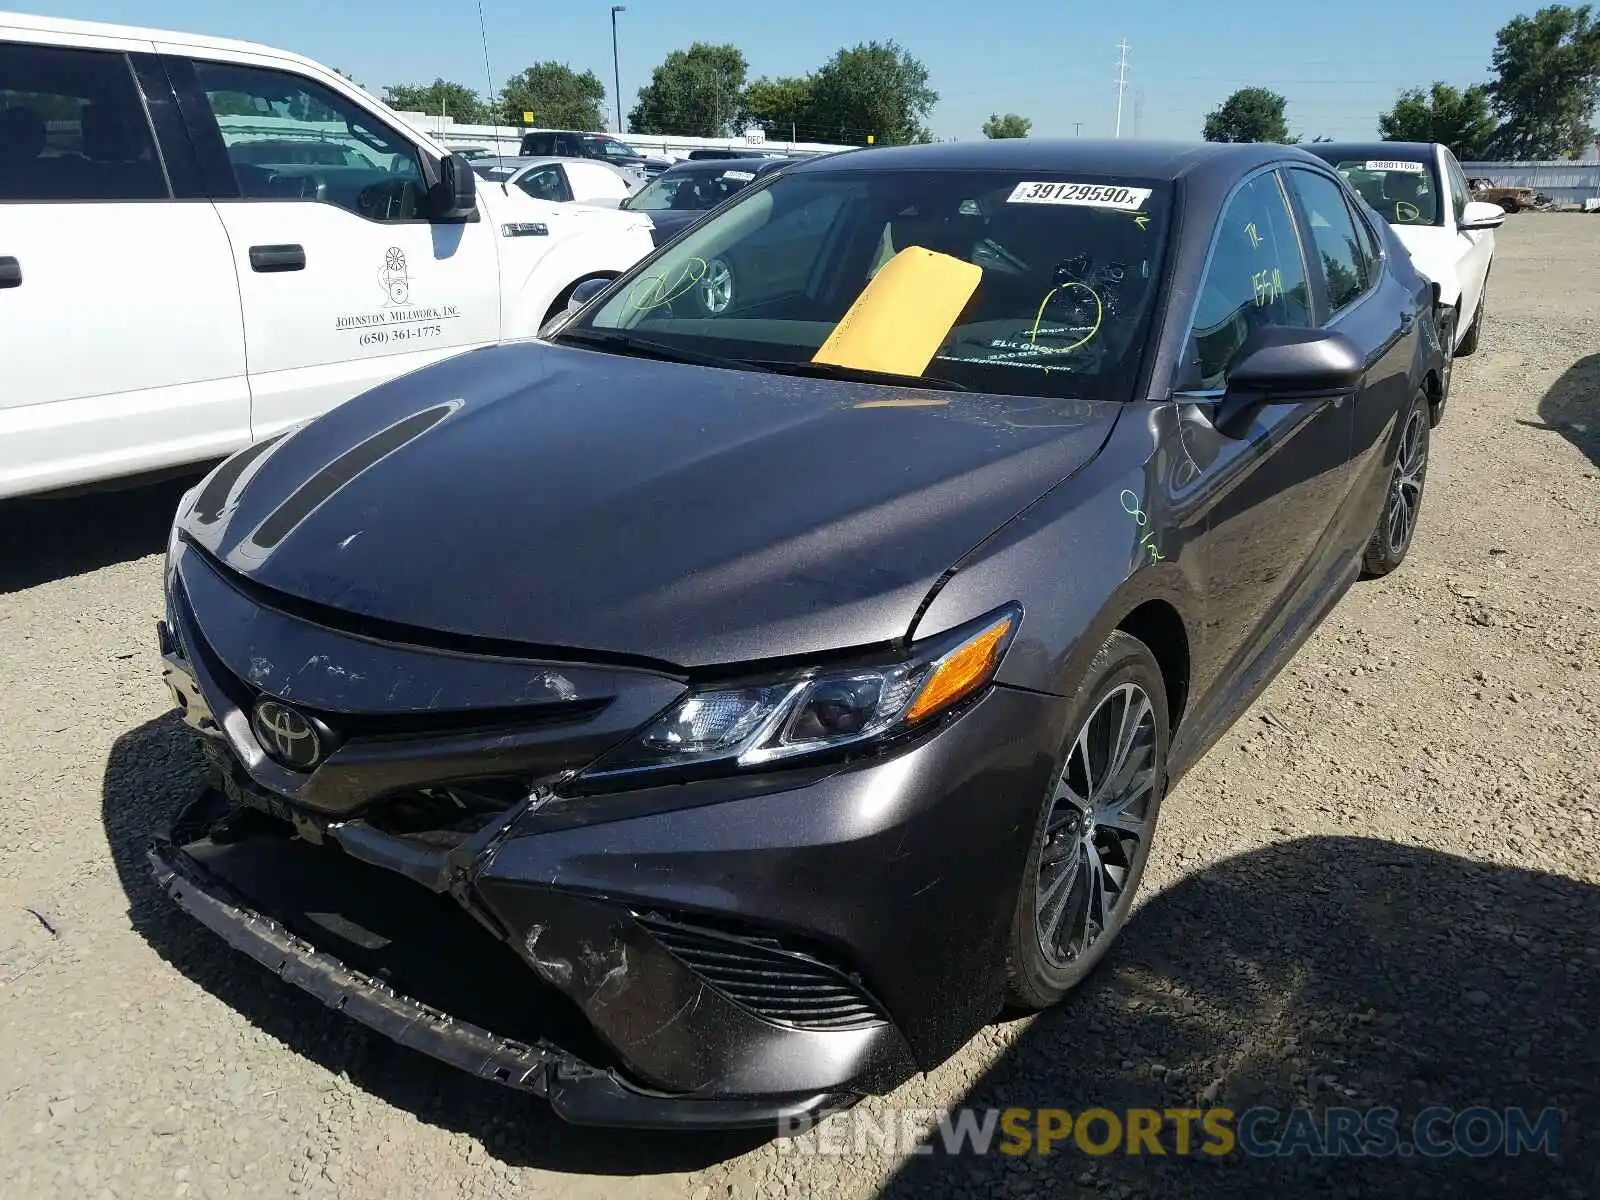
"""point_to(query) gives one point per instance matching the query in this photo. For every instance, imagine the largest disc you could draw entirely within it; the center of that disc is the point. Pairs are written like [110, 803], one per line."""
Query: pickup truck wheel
[1510, 206]
[560, 304]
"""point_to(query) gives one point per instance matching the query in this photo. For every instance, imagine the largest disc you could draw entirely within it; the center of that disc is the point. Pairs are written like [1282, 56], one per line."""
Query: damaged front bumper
[578, 1091]
[731, 952]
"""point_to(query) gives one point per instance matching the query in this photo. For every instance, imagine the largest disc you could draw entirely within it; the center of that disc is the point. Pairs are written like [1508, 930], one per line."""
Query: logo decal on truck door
[398, 320]
[392, 277]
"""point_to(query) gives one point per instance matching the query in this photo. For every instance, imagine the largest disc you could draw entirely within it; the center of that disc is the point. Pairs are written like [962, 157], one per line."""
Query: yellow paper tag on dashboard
[900, 318]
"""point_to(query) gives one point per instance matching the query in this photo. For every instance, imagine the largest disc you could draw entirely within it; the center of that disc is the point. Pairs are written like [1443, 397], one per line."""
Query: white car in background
[560, 180]
[206, 242]
[1421, 191]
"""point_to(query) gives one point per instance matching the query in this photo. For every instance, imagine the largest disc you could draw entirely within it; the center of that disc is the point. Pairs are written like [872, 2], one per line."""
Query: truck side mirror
[455, 196]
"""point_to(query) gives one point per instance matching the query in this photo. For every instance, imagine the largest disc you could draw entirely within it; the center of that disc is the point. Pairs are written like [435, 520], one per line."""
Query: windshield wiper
[627, 343]
[857, 374]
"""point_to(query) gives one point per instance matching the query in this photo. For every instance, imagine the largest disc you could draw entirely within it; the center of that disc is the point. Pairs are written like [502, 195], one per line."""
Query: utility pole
[616, 63]
[1076, 125]
[1122, 81]
[1138, 110]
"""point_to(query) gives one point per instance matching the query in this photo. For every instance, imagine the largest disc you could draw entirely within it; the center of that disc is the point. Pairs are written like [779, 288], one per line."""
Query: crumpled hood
[574, 500]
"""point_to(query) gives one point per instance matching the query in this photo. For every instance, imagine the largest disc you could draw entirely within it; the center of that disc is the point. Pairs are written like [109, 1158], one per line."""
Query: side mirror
[455, 196]
[1280, 363]
[1479, 214]
[585, 292]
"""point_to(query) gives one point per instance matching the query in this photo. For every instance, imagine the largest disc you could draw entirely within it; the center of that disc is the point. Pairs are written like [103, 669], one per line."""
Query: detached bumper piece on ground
[714, 953]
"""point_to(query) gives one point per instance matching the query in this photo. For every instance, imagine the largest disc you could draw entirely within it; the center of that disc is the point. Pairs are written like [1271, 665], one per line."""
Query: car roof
[534, 160]
[105, 29]
[1155, 160]
[715, 166]
[1373, 150]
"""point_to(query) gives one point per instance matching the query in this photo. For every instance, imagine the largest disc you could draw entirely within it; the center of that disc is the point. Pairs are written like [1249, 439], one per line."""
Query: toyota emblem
[287, 736]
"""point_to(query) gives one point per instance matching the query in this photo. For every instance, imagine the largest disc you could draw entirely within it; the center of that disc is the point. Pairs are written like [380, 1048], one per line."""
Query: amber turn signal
[961, 672]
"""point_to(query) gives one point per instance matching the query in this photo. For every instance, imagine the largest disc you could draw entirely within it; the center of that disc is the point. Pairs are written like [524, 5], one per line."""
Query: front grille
[760, 974]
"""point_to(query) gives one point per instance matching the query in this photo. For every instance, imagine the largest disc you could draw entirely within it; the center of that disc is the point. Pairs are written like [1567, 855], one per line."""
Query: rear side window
[73, 127]
[546, 183]
[1256, 278]
[1345, 267]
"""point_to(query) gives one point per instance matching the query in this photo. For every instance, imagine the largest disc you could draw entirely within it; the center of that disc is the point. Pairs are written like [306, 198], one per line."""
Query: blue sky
[1339, 64]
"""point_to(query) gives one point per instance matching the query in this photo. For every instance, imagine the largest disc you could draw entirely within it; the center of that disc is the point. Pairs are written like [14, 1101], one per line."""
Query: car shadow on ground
[1325, 971]
[151, 772]
[56, 538]
[1572, 406]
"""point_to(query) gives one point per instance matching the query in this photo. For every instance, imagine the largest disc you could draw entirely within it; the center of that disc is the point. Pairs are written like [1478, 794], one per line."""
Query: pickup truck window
[289, 138]
[72, 127]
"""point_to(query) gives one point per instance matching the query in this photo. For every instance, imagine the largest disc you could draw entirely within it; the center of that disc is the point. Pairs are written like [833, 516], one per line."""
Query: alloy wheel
[1098, 830]
[1410, 471]
[716, 286]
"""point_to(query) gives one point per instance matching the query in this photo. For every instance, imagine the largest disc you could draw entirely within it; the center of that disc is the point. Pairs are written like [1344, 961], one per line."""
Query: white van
[203, 242]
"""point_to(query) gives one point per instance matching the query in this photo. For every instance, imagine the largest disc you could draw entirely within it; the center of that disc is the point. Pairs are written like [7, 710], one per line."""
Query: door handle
[1407, 320]
[10, 273]
[277, 258]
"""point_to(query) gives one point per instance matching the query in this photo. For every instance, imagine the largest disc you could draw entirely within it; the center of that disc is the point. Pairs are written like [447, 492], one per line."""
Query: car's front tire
[1402, 502]
[1469, 343]
[1093, 834]
[1447, 338]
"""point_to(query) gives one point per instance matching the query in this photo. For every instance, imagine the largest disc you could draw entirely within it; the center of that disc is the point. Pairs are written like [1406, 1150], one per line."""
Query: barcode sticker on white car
[1092, 195]
[742, 176]
[1394, 164]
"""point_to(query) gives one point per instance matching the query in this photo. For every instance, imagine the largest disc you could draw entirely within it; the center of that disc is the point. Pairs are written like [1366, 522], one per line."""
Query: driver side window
[288, 138]
[1256, 277]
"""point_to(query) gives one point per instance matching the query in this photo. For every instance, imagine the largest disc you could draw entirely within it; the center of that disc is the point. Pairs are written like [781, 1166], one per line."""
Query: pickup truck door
[121, 348]
[345, 282]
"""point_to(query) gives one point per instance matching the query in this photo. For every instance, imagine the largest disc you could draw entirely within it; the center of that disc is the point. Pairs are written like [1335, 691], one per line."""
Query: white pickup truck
[203, 242]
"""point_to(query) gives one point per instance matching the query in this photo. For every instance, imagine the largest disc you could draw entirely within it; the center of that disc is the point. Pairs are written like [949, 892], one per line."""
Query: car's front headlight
[747, 725]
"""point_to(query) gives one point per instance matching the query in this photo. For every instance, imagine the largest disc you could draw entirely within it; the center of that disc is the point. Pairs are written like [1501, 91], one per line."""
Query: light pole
[616, 68]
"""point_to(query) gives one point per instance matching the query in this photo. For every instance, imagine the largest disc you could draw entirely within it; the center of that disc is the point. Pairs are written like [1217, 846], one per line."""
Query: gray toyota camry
[719, 708]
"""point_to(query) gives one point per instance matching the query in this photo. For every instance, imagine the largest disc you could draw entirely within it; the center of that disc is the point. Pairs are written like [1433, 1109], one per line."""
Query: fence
[1564, 181]
[507, 139]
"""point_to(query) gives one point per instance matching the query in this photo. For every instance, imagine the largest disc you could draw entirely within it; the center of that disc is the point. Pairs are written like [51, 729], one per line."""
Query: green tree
[780, 106]
[556, 95]
[1252, 114]
[455, 100]
[696, 92]
[1008, 126]
[874, 88]
[1547, 82]
[1459, 119]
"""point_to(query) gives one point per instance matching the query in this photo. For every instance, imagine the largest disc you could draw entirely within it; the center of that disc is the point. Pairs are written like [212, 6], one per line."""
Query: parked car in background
[1511, 199]
[714, 714]
[683, 194]
[560, 180]
[205, 242]
[1421, 191]
[710, 152]
[570, 143]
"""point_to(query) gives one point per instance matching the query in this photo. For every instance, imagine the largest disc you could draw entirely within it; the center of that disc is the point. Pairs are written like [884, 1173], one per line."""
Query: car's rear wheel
[1469, 343]
[1094, 831]
[1402, 504]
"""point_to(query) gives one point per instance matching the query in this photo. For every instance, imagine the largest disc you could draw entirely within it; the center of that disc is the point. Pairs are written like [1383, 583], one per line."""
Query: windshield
[609, 148]
[1069, 273]
[1403, 191]
[691, 190]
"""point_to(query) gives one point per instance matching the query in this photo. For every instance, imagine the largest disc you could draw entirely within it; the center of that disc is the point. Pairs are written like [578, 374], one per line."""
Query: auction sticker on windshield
[745, 176]
[1394, 164]
[1093, 195]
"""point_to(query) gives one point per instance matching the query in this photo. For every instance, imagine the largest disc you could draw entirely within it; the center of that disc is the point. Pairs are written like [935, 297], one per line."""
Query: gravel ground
[1382, 887]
